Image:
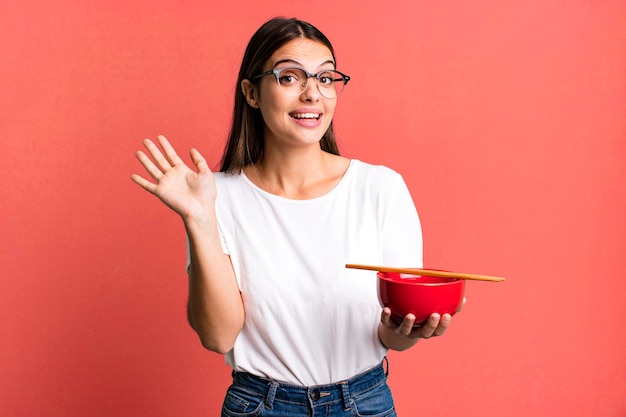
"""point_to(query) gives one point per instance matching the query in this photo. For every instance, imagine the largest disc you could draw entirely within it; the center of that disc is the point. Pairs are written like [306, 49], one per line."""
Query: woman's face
[295, 120]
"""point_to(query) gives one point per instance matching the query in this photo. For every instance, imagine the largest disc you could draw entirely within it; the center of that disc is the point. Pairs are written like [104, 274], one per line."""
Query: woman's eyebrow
[289, 61]
[293, 61]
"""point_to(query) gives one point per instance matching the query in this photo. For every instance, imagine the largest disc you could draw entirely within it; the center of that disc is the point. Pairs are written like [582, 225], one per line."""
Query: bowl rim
[444, 281]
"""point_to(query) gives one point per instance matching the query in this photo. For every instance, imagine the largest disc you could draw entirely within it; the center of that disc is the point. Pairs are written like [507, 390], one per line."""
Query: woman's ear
[250, 91]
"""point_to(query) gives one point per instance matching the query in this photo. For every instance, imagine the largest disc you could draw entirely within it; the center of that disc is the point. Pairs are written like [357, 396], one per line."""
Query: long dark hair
[246, 142]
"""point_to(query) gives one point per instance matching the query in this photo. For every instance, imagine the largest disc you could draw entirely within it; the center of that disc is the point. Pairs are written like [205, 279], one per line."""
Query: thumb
[199, 161]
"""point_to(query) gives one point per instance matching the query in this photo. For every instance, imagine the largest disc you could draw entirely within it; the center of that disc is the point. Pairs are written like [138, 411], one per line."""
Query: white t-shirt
[308, 319]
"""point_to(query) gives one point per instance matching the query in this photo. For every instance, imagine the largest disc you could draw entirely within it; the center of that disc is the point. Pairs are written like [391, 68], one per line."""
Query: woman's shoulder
[220, 174]
[374, 172]
[229, 181]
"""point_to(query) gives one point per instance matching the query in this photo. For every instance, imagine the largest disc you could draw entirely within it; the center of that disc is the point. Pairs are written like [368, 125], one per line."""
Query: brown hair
[245, 141]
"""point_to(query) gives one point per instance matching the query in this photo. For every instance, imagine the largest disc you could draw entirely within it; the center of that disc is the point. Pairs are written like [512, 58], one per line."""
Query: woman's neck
[298, 175]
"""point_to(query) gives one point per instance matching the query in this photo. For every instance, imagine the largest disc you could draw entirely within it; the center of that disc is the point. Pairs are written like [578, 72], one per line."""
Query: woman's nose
[311, 92]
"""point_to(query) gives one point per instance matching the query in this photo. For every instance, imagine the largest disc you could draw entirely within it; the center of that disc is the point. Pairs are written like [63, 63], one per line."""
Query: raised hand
[187, 192]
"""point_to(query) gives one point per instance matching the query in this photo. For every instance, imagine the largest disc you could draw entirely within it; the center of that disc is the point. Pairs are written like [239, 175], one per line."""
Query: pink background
[507, 120]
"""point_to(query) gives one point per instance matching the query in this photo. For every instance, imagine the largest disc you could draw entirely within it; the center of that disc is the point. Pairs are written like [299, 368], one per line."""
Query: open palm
[187, 192]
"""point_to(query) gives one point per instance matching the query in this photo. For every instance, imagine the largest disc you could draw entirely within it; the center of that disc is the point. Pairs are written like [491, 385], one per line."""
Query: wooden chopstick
[426, 272]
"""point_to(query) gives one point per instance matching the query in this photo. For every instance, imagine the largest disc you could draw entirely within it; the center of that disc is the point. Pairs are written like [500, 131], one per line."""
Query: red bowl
[419, 295]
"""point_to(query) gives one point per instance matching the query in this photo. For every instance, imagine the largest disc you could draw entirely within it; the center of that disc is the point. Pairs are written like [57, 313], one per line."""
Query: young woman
[269, 237]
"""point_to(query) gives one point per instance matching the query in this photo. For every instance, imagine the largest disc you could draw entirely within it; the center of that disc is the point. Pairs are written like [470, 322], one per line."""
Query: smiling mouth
[305, 116]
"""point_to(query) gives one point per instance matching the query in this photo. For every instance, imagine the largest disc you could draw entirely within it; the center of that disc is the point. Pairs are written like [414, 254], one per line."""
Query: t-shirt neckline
[308, 200]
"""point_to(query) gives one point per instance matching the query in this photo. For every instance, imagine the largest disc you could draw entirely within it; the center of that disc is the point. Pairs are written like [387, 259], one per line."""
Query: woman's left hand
[436, 325]
[402, 336]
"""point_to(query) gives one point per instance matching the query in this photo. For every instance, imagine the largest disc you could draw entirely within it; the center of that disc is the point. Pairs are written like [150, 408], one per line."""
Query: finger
[385, 318]
[161, 162]
[154, 171]
[445, 321]
[198, 160]
[406, 326]
[143, 183]
[169, 150]
[428, 329]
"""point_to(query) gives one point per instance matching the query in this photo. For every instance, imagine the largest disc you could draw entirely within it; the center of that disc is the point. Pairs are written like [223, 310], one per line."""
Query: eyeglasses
[294, 81]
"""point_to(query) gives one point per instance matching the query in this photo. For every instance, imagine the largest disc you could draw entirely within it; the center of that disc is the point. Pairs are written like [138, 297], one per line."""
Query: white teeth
[305, 116]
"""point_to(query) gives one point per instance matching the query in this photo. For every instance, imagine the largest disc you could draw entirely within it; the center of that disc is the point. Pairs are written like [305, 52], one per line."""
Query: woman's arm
[215, 309]
[403, 246]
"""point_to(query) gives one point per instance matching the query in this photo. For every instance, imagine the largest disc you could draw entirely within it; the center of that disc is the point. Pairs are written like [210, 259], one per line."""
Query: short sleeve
[401, 229]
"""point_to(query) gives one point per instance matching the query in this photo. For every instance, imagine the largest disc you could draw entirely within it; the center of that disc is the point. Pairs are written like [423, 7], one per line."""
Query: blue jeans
[366, 394]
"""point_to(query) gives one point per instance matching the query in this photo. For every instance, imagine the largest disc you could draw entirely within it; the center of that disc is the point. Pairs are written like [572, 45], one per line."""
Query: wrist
[201, 225]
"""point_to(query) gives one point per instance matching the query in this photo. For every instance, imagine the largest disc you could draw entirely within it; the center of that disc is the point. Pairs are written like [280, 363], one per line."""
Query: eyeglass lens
[293, 81]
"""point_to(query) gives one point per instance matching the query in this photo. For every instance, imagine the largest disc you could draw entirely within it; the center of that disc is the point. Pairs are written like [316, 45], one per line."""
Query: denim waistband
[315, 395]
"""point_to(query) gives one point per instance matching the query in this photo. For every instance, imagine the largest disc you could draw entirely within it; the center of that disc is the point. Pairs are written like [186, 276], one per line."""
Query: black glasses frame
[276, 72]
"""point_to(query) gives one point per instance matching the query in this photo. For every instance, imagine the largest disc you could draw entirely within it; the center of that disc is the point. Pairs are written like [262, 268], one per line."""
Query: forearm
[215, 307]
